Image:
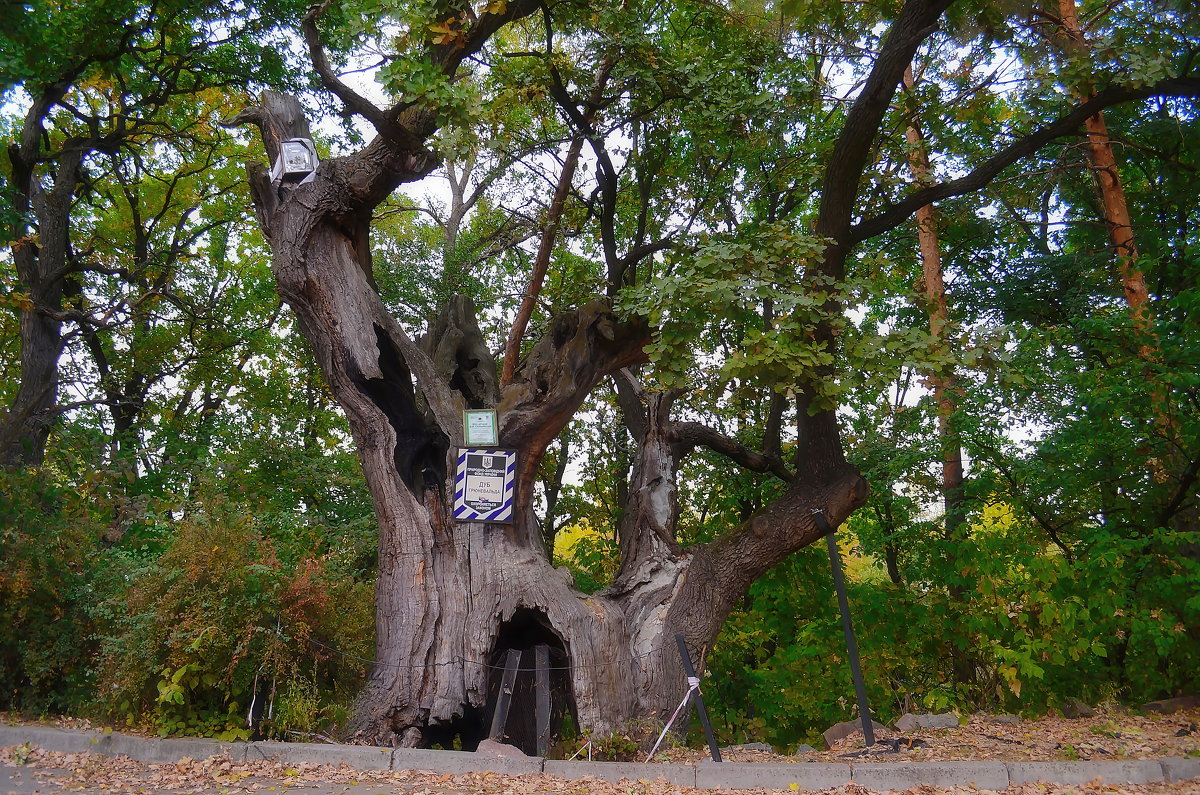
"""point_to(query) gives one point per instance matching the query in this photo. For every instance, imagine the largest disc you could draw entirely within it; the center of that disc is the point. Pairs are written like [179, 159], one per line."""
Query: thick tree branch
[384, 124]
[916, 22]
[606, 172]
[450, 55]
[695, 434]
[1185, 490]
[541, 262]
[1068, 124]
[438, 395]
[721, 571]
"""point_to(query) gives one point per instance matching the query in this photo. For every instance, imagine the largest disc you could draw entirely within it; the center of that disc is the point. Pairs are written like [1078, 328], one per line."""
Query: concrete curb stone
[1180, 769]
[68, 742]
[904, 775]
[746, 775]
[1083, 772]
[462, 762]
[360, 757]
[160, 751]
[681, 775]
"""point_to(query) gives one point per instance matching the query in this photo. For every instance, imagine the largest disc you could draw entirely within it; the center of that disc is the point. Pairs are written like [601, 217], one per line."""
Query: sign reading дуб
[483, 485]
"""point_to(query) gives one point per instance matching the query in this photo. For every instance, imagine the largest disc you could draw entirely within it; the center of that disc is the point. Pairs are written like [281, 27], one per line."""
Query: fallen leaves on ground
[1110, 735]
[218, 774]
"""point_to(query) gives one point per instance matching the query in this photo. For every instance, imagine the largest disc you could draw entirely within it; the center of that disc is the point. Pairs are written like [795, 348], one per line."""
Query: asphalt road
[20, 781]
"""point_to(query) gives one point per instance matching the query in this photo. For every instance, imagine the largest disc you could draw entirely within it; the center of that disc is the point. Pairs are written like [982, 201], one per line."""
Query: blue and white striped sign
[483, 484]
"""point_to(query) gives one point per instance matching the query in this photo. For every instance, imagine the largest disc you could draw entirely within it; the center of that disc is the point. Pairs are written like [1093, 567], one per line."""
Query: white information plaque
[481, 428]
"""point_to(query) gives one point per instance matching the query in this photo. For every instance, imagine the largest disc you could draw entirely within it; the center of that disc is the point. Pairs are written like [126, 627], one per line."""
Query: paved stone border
[733, 775]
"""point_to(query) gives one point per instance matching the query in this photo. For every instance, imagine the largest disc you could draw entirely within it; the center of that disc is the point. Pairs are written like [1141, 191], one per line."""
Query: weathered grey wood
[541, 687]
[444, 588]
[512, 663]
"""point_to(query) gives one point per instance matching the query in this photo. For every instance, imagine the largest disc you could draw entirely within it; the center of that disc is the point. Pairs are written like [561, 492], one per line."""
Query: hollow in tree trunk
[450, 594]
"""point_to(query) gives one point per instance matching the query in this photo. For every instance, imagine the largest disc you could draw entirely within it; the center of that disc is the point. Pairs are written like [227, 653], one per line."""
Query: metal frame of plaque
[484, 484]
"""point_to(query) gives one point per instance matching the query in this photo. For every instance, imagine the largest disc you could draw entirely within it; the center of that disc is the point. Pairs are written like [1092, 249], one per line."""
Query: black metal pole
[839, 585]
[690, 670]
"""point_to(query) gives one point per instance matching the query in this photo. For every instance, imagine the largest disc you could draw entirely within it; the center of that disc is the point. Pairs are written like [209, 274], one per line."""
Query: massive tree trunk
[451, 594]
[39, 252]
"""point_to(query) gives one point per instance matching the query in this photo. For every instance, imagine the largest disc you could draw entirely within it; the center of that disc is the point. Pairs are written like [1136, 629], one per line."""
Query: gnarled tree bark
[451, 594]
[448, 591]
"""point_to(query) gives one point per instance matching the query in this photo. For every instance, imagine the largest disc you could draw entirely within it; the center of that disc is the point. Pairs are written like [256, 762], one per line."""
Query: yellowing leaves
[22, 301]
[445, 33]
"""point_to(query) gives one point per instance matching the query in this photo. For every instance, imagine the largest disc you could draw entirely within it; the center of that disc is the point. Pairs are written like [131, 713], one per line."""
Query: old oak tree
[450, 595]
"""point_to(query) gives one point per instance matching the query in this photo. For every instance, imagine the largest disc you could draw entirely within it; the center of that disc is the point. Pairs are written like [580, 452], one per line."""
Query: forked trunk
[453, 596]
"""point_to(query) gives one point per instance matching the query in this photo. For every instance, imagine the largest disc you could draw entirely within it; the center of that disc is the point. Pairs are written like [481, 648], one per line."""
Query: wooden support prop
[504, 698]
[541, 674]
[690, 671]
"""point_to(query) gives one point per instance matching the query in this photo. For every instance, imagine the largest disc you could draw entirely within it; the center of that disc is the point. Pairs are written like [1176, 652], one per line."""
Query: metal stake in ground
[839, 585]
[693, 682]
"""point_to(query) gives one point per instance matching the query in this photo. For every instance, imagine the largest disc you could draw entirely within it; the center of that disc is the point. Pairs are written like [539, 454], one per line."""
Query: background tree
[90, 98]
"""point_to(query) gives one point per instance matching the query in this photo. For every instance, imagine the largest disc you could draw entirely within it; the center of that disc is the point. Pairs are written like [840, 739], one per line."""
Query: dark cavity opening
[463, 733]
[524, 632]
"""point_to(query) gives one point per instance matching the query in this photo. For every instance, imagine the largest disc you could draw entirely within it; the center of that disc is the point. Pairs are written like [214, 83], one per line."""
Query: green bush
[50, 552]
[1037, 628]
[218, 627]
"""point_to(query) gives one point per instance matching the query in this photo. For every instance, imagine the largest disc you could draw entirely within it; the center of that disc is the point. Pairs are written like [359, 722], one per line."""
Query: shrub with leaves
[50, 548]
[217, 632]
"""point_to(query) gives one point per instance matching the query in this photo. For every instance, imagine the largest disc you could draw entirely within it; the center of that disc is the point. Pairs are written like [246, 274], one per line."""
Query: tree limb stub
[347, 188]
[581, 347]
[646, 530]
[456, 347]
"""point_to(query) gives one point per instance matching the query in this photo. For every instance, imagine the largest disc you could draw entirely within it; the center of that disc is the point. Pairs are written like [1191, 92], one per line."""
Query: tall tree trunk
[40, 256]
[942, 381]
[1174, 464]
[1108, 185]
